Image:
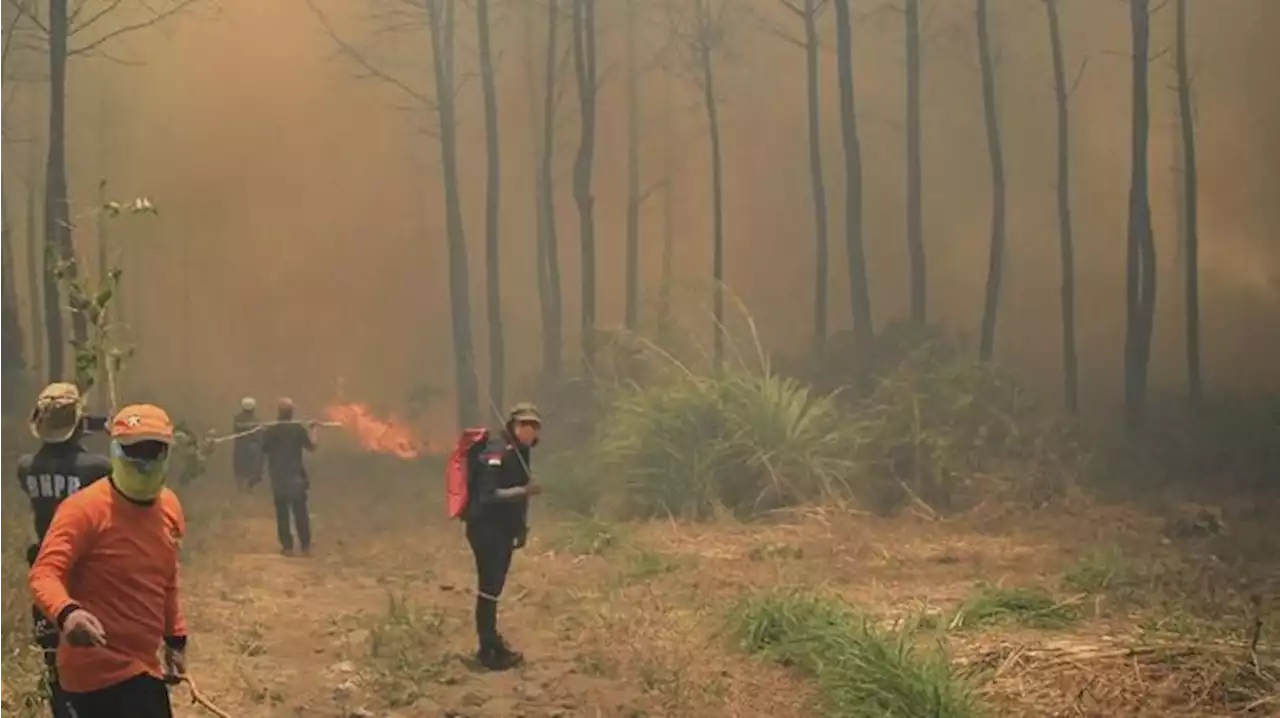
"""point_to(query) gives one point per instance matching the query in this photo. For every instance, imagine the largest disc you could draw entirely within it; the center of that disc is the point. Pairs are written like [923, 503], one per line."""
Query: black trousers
[143, 696]
[293, 503]
[492, 549]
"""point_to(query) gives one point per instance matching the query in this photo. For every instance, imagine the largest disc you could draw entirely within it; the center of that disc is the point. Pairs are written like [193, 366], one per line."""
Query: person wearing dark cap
[282, 446]
[107, 572]
[59, 468]
[496, 517]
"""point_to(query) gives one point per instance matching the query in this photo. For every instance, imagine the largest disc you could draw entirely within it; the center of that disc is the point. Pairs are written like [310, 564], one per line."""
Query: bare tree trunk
[440, 19]
[817, 181]
[529, 68]
[584, 65]
[1141, 288]
[35, 259]
[553, 340]
[668, 210]
[12, 344]
[633, 170]
[57, 209]
[1179, 191]
[1066, 242]
[915, 172]
[704, 43]
[859, 289]
[995, 263]
[493, 187]
[1190, 217]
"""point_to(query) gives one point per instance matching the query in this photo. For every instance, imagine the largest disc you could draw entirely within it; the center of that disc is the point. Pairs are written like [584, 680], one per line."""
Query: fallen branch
[198, 698]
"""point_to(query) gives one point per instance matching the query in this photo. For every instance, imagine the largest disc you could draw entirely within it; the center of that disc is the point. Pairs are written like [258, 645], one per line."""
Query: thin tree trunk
[584, 65]
[859, 289]
[553, 342]
[915, 171]
[633, 171]
[1141, 251]
[440, 18]
[668, 210]
[57, 209]
[1066, 242]
[817, 182]
[493, 188]
[1179, 189]
[35, 275]
[12, 344]
[995, 262]
[535, 141]
[717, 177]
[1190, 182]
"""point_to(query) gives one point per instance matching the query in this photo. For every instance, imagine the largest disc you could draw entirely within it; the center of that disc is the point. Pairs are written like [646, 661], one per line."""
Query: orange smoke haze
[301, 230]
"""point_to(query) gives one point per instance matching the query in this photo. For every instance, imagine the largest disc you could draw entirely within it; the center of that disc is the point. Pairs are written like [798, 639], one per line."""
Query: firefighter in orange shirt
[107, 573]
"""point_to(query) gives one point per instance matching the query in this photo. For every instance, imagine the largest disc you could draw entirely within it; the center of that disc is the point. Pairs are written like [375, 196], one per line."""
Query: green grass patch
[1100, 570]
[404, 652]
[589, 537]
[862, 671]
[1019, 606]
[643, 564]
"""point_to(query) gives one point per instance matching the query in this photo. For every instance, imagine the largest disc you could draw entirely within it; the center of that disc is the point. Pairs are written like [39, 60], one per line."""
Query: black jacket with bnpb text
[498, 464]
[55, 472]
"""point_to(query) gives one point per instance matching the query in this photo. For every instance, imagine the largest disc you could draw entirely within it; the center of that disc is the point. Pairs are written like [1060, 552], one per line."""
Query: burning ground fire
[383, 436]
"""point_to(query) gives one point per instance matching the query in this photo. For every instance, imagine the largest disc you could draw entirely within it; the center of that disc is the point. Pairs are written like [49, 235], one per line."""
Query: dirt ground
[615, 620]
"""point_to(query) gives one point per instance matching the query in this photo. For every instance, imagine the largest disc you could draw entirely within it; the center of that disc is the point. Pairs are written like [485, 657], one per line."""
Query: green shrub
[933, 418]
[914, 419]
[863, 671]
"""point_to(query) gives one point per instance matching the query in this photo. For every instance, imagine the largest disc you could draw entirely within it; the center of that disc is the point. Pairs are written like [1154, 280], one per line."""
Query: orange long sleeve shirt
[118, 560]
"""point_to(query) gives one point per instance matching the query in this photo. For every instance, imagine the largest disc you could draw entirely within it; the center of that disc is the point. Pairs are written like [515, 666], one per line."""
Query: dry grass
[631, 619]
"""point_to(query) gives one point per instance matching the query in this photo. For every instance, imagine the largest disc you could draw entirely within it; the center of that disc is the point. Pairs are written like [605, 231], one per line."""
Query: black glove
[521, 539]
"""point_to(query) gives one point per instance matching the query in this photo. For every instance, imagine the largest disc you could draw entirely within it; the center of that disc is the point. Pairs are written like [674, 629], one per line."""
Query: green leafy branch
[97, 354]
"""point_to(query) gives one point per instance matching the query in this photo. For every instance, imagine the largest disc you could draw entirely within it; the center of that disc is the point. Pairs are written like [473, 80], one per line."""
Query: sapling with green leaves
[100, 356]
[97, 355]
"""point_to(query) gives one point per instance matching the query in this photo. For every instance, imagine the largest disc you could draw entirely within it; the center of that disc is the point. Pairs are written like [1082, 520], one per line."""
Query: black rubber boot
[498, 656]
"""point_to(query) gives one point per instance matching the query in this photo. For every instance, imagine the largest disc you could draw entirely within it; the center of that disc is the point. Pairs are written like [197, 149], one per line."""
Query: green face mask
[138, 479]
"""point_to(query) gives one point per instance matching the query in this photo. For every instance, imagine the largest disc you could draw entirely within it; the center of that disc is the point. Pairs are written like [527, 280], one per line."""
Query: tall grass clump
[746, 442]
[862, 671]
[677, 436]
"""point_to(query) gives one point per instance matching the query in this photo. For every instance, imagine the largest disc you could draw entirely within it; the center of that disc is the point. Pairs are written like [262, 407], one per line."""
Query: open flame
[383, 436]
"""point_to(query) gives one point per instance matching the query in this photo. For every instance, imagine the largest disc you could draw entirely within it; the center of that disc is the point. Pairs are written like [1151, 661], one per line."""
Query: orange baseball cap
[142, 422]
